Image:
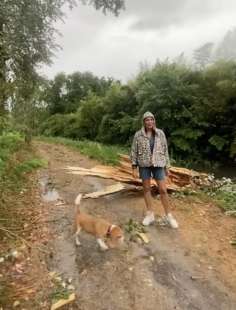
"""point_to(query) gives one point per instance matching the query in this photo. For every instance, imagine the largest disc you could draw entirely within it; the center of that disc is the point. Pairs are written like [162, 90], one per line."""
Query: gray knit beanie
[148, 114]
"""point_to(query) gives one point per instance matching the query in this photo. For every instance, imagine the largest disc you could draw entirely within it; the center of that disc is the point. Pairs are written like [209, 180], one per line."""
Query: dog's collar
[109, 230]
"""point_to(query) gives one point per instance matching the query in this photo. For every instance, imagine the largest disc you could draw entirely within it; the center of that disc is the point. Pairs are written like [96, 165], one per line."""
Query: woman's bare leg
[166, 204]
[149, 218]
[147, 194]
[164, 195]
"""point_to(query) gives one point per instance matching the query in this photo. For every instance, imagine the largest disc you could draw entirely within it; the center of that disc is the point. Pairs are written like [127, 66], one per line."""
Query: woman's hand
[135, 172]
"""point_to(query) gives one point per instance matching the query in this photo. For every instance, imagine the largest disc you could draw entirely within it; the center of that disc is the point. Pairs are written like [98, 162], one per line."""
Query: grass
[106, 154]
[14, 175]
[18, 161]
[30, 165]
[9, 144]
[61, 288]
[58, 293]
[225, 198]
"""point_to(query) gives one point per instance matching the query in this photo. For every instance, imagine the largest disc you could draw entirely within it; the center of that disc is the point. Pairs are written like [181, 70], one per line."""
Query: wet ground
[191, 268]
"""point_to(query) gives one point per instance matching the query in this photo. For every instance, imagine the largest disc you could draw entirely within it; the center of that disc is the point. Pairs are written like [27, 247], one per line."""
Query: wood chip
[143, 237]
[107, 190]
[179, 178]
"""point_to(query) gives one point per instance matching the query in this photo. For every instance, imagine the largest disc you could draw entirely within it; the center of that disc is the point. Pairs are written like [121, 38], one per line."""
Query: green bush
[226, 197]
[30, 165]
[66, 125]
[90, 115]
[118, 123]
[9, 143]
[4, 124]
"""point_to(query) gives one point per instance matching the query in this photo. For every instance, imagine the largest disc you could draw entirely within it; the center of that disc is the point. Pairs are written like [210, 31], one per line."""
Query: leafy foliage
[27, 40]
[218, 142]
[118, 122]
[196, 109]
[9, 143]
[203, 54]
[61, 124]
[226, 48]
[65, 93]
[30, 165]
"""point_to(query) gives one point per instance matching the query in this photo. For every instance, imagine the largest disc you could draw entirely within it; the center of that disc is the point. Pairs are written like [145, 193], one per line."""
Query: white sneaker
[171, 221]
[149, 218]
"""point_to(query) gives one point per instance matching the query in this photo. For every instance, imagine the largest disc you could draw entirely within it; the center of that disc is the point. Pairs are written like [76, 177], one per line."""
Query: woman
[149, 153]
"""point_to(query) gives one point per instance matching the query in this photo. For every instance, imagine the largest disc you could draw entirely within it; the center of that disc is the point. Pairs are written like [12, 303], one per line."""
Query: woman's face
[149, 123]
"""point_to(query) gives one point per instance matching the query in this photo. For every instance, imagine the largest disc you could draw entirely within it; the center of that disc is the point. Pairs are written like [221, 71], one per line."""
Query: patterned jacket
[141, 153]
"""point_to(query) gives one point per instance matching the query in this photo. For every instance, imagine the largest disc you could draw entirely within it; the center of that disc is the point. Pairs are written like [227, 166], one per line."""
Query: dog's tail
[77, 202]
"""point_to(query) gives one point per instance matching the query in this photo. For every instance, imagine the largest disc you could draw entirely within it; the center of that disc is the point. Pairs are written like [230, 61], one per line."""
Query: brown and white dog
[100, 228]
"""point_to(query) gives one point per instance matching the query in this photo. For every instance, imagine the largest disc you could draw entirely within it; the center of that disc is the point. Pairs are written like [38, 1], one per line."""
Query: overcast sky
[144, 32]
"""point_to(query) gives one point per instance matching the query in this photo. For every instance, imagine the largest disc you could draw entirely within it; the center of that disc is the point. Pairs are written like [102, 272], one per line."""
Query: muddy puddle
[48, 191]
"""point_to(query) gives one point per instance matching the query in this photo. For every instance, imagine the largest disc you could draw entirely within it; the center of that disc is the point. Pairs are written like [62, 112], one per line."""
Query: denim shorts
[157, 173]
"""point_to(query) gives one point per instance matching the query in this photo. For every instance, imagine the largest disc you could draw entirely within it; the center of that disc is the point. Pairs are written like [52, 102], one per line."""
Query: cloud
[145, 32]
[157, 14]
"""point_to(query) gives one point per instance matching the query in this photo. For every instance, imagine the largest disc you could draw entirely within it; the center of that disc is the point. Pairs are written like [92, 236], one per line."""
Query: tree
[181, 59]
[119, 119]
[28, 107]
[196, 108]
[65, 92]
[170, 91]
[113, 6]
[226, 49]
[79, 85]
[90, 114]
[27, 36]
[55, 94]
[203, 54]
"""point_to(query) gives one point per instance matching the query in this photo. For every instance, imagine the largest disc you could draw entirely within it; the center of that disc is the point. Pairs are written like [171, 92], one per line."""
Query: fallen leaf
[19, 268]
[60, 203]
[143, 237]
[63, 302]
[52, 274]
[63, 284]
[16, 303]
[106, 191]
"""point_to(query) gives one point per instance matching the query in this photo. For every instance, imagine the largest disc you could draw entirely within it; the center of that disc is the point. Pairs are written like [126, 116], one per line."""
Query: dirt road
[191, 268]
